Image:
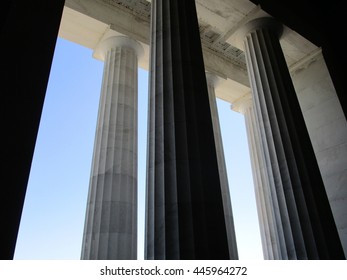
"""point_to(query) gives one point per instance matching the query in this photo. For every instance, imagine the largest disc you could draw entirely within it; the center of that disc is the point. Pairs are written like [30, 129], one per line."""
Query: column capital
[117, 41]
[262, 23]
[213, 79]
[257, 24]
[242, 104]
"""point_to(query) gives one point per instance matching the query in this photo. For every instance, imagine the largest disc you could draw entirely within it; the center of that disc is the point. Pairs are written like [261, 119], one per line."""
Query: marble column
[111, 219]
[184, 212]
[272, 237]
[306, 218]
[212, 82]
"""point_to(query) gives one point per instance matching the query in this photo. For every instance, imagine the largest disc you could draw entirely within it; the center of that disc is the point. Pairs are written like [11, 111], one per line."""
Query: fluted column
[111, 219]
[212, 82]
[308, 225]
[184, 212]
[264, 186]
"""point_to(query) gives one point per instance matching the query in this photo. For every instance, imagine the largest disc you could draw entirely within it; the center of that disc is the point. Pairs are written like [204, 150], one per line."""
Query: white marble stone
[272, 235]
[327, 128]
[295, 182]
[212, 83]
[111, 220]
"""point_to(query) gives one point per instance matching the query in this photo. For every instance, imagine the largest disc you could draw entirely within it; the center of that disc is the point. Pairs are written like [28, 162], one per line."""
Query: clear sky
[54, 210]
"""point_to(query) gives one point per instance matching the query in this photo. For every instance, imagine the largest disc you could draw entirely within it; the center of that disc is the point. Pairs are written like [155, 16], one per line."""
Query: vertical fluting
[212, 83]
[308, 225]
[184, 215]
[111, 218]
[271, 230]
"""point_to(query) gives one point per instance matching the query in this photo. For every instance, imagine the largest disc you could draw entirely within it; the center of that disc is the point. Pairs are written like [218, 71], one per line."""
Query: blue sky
[53, 215]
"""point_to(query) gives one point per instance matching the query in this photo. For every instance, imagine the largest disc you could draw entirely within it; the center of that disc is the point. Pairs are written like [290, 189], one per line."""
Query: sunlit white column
[111, 219]
[267, 207]
[212, 82]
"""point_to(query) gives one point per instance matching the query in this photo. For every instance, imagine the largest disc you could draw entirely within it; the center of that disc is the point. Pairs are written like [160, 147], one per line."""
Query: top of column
[213, 79]
[242, 104]
[117, 41]
[257, 24]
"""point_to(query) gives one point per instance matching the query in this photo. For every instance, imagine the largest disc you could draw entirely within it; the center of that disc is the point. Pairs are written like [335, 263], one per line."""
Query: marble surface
[111, 219]
[298, 187]
[213, 81]
[185, 215]
[327, 128]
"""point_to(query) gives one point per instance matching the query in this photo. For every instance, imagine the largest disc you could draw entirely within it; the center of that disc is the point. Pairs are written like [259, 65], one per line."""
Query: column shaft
[212, 83]
[111, 219]
[271, 231]
[185, 215]
[306, 218]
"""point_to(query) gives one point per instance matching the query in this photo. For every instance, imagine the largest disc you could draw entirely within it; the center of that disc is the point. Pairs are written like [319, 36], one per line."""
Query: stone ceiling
[88, 21]
[212, 37]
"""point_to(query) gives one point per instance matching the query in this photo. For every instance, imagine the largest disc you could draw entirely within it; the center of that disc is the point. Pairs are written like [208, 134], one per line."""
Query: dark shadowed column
[28, 33]
[305, 215]
[184, 215]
